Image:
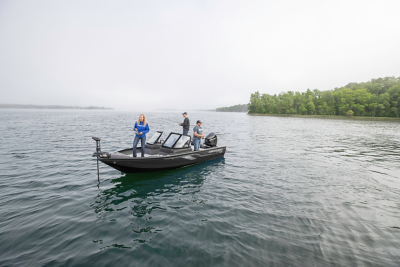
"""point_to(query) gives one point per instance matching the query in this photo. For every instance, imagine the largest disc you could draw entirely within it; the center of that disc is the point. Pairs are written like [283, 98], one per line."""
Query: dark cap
[184, 113]
[199, 121]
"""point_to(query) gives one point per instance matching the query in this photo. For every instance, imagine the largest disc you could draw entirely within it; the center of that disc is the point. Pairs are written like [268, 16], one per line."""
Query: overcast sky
[144, 55]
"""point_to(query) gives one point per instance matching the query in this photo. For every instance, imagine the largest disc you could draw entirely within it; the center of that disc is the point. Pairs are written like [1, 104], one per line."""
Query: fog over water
[144, 55]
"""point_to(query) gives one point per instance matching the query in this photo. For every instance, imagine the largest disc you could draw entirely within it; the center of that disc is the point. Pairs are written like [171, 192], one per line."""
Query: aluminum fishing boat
[175, 151]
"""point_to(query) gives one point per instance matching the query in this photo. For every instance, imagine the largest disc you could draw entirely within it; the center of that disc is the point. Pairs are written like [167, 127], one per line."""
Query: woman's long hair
[144, 120]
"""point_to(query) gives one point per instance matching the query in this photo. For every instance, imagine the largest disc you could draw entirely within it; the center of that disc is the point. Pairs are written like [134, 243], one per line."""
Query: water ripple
[290, 192]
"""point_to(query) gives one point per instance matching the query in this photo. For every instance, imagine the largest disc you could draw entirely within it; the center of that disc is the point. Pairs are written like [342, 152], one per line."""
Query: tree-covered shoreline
[376, 98]
[235, 108]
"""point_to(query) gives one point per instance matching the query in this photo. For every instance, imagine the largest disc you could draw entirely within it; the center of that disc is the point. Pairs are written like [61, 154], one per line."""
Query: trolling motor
[98, 154]
[98, 149]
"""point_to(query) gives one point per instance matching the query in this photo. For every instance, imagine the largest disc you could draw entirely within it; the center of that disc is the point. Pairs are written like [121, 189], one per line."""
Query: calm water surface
[289, 192]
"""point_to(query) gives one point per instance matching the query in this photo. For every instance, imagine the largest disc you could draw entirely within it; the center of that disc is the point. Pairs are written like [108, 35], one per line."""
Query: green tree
[255, 105]
[310, 106]
[302, 109]
[323, 109]
[361, 98]
[346, 100]
[394, 93]
[383, 104]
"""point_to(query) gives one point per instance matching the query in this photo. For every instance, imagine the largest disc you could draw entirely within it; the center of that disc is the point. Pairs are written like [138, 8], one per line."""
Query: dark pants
[185, 132]
[136, 141]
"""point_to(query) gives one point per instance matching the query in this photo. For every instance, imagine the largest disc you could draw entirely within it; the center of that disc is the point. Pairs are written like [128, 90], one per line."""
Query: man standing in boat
[185, 124]
[197, 135]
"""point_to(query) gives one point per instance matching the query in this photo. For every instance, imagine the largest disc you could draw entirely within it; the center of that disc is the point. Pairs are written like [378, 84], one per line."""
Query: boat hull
[159, 163]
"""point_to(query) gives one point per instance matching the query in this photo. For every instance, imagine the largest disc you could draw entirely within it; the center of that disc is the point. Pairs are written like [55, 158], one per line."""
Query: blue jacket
[141, 129]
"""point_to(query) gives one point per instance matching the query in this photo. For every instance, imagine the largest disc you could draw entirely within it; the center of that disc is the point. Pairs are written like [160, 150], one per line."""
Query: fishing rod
[179, 122]
[172, 121]
[190, 125]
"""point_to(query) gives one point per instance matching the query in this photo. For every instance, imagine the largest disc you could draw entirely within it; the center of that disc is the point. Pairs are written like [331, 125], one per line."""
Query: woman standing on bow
[141, 128]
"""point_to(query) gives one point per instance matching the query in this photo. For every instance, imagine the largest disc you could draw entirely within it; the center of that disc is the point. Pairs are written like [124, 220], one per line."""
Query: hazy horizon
[189, 55]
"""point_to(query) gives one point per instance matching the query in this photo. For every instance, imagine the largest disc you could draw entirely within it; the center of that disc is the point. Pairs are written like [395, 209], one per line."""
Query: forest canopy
[376, 98]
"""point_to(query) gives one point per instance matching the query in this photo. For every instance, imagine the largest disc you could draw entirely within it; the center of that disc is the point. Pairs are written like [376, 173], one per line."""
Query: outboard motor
[211, 140]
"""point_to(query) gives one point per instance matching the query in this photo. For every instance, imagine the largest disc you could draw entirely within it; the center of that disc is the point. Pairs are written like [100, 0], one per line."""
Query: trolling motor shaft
[97, 155]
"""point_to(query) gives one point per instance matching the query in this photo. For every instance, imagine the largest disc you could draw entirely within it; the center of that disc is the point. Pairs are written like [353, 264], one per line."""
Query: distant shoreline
[18, 106]
[329, 117]
[235, 108]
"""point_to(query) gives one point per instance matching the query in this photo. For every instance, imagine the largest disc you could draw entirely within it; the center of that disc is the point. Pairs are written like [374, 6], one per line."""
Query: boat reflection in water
[147, 203]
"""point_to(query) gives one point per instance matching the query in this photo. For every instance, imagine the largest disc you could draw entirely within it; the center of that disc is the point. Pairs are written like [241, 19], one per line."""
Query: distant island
[376, 98]
[18, 106]
[235, 108]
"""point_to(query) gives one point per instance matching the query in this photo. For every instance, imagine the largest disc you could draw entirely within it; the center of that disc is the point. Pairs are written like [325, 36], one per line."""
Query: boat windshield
[172, 138]
[154, 139]
[177, 141]
[183, 142]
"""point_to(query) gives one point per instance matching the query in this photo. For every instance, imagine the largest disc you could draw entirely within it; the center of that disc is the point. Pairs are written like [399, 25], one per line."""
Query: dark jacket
[186, 124]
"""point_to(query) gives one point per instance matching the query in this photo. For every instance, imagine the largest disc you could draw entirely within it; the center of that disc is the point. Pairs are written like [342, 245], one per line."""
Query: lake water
[289, 192]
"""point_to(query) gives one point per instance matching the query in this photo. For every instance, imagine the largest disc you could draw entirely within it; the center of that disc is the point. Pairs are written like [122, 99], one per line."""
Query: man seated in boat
[197, 135]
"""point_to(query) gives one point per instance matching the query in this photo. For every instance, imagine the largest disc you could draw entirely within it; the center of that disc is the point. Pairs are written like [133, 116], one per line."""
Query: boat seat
[152, 149]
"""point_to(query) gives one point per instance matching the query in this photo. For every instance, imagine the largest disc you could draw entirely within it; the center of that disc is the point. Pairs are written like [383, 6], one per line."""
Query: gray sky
[143, 55]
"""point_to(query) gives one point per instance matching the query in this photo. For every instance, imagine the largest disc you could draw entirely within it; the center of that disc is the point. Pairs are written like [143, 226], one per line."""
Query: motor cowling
[211, 140]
